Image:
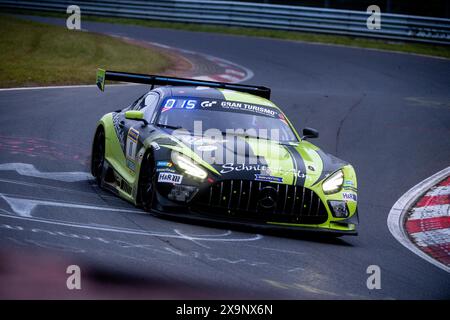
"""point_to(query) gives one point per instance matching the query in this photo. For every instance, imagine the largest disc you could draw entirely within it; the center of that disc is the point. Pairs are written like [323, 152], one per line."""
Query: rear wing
[153, 80]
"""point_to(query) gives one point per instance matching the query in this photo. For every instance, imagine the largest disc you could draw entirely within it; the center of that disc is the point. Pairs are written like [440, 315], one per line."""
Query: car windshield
[226, 116]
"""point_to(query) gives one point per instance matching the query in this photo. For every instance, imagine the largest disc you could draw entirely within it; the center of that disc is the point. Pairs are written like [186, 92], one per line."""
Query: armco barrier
[241, 14]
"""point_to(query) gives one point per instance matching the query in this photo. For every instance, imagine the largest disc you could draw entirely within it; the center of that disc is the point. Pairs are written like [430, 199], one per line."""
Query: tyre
[98, 156]
[146, 193]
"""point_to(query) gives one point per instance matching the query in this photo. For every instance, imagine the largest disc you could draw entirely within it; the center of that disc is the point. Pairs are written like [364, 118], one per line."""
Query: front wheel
[98, 156]
[147, 183]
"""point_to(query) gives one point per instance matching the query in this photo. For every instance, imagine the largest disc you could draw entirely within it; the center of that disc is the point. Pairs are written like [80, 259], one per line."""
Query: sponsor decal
[131, 164]
[133, 134]
[230, 167]
[219, 105]
[349, 196]
[208, 103]
[179, 104]
[266, 178]
[350, 188]
[166, 177]
[311, 168]
[164, 164]
[116, 118]
[131, 148]
[234, 105]
[348, 182]
[166, 169]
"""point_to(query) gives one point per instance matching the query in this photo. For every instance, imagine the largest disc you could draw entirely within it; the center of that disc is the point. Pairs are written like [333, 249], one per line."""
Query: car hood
[299, 163]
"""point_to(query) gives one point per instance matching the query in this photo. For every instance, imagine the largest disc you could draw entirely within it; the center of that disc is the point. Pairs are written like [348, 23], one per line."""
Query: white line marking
[160, 45]
[176, 252]
[55, 246]
[209, 257]
[296, 269]
[190, 239]
[24, 207]
[224, 234]
[275, 249]
[396, 216]
[44, 186]
[29, 170]
[205, 78]
[127, 231]
[437, 211]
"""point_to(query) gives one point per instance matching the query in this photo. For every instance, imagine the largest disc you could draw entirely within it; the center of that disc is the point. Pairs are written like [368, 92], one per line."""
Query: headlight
[188, 166]
[333, 183]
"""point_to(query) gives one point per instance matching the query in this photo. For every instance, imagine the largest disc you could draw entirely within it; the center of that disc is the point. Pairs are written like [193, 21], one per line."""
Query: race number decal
[132, 139]
[170, 178]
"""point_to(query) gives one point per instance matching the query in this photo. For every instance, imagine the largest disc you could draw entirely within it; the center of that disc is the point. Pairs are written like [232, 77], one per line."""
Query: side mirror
[136, 115]
[310, 133]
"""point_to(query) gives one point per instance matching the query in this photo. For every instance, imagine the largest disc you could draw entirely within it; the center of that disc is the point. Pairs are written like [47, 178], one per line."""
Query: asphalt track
[388, 114]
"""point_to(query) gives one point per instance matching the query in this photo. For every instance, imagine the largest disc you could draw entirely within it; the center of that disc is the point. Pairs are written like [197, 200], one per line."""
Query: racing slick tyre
[98, 156]
[146, 189]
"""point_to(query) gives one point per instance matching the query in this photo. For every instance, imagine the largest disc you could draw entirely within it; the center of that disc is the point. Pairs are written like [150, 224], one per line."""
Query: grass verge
[397, 46]
[33, 53]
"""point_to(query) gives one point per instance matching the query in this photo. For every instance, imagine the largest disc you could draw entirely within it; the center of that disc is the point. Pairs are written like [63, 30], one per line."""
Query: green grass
[408, 47]
[33, 53]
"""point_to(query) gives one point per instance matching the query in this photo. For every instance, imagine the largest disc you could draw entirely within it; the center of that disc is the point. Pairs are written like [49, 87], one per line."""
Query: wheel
[147, 183]
[98, 156]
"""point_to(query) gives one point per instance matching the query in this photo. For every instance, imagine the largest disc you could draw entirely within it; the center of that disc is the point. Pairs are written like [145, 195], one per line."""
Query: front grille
[261, 201]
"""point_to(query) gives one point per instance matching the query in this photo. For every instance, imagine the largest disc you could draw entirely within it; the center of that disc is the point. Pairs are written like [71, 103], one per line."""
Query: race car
[220, 152]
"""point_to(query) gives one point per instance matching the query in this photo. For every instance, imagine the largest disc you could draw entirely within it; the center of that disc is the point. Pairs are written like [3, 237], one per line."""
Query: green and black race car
[223, 152]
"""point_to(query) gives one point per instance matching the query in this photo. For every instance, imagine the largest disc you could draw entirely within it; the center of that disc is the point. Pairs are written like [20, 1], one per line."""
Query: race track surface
[388, 114]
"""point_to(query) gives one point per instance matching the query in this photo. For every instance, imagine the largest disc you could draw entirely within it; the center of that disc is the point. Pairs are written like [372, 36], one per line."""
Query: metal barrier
[255, 15]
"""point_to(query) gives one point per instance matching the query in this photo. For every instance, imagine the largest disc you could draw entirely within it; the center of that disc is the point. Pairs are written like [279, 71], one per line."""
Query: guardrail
[256, 15]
